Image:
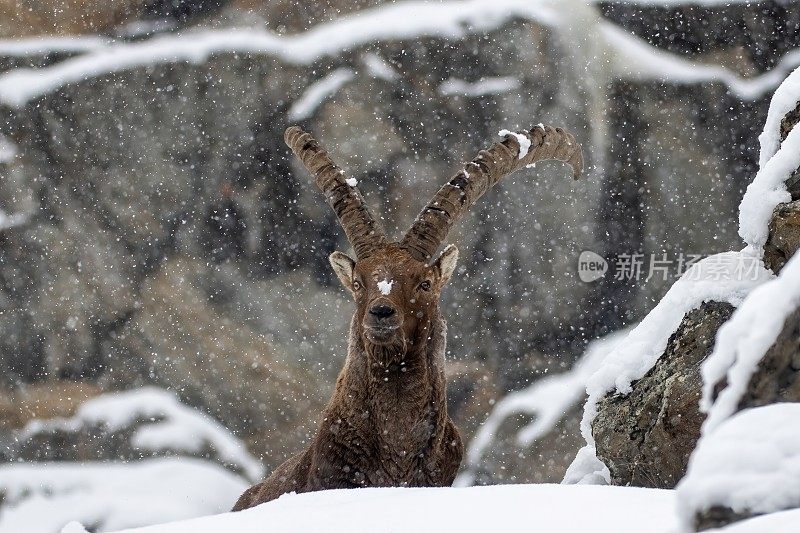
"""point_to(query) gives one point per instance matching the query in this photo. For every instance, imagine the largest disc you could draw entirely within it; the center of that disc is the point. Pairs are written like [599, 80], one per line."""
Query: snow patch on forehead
[385, 286]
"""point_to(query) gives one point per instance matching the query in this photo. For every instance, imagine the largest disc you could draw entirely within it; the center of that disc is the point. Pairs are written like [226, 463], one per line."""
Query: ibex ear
[343, 266]
[446, 263]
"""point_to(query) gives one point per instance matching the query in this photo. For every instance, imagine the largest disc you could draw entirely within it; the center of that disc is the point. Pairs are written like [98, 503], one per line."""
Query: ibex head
[396, 285]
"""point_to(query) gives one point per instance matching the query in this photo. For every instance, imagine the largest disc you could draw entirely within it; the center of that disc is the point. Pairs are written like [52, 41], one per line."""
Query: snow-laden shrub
[139, 423]
[44, 497]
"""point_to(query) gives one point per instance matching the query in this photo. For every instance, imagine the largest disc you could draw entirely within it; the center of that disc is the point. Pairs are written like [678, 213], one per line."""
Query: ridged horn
[362, 231]
[454, 199]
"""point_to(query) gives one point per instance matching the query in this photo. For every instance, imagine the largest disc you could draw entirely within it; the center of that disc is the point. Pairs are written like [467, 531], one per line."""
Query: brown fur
[387, 422]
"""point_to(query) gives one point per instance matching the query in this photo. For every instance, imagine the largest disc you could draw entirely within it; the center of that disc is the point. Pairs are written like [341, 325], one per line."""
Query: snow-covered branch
[173, 426]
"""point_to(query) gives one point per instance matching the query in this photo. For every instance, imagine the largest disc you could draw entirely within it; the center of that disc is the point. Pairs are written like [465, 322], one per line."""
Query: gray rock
[645, 437]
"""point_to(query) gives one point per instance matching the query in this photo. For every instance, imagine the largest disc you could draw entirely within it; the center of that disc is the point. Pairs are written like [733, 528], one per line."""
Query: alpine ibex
[387, 422]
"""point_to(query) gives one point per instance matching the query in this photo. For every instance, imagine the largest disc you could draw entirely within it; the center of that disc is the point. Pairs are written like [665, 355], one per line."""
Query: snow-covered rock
[665, 406]
[778, 162]
[44, 497]
[743, 341]
[747, 465]
[726, 277]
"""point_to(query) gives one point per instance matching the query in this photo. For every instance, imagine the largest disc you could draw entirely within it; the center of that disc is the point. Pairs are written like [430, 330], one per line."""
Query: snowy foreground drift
[557, 508]
[501, 508]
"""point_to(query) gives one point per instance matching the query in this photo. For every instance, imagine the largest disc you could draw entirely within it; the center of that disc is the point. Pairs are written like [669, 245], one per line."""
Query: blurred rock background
[167, 237]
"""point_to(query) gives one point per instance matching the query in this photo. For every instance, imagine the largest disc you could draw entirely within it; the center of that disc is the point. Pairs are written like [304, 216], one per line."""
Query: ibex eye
[356, 286]
[425, 285]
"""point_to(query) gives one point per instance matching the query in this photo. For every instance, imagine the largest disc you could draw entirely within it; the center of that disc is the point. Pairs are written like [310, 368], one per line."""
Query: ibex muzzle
[387, 422]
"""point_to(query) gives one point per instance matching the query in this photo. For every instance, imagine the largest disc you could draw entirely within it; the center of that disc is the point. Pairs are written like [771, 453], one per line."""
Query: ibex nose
[381, 311]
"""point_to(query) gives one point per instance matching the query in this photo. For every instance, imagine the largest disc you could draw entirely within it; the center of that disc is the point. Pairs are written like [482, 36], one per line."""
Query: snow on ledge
[785, 99]
[631, 57]
[635, 59]
[482, 87]
[12, 221]
[547, 399]
[43, 497]
[319, 91]
[37, 46]
[777, 163]
[406, 20]
[175, 427]
[8, 150]
[750, 463]
[726, 277]
[744, 339]
[546, 508]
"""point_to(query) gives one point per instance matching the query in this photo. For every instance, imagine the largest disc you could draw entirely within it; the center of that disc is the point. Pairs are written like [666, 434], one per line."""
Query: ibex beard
[387, 422]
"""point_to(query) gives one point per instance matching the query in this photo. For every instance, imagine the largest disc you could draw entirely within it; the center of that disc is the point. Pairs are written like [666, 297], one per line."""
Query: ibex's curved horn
[360, 227]
[479, 175]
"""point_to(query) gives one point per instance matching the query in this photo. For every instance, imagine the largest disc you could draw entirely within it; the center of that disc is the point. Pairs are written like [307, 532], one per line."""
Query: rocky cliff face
[173, 241]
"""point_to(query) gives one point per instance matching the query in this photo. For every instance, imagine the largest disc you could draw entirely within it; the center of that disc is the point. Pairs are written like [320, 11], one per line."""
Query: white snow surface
[750, 462]
[385, 286]
[319, 91]
[744, 339]
[484, 86]
[785, 99]
[351, 182]
[522, 140]
[726, 277]
[548, 400]
[175, 426]
[44, 497]
[546, 508]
